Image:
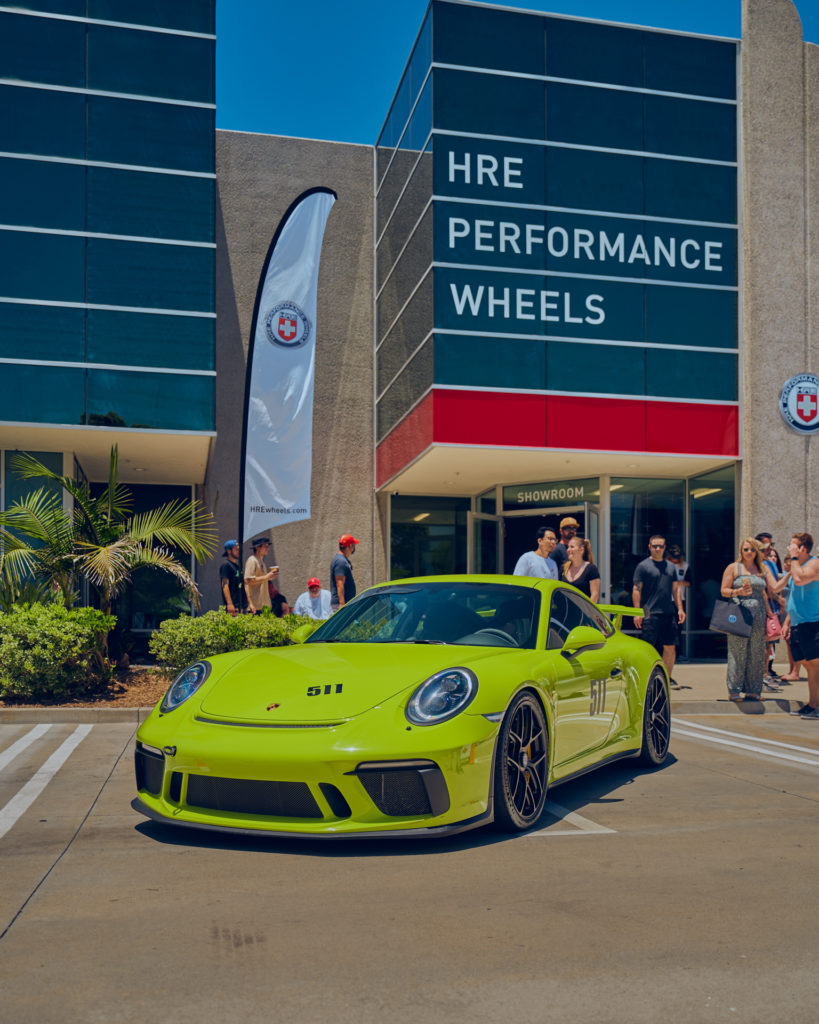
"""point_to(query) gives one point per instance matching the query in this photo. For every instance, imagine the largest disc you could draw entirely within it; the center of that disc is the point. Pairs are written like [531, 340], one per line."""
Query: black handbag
[731, 618]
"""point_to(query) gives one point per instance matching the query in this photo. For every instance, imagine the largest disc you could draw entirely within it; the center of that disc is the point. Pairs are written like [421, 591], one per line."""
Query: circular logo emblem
[799, 403]
[286, 325]
[732, 618]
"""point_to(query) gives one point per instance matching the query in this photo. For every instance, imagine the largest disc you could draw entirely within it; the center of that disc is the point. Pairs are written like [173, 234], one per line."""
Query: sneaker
[674, 684]
[806, 711]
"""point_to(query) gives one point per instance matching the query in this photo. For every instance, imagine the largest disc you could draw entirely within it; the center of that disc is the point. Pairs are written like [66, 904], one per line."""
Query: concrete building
[571, 278]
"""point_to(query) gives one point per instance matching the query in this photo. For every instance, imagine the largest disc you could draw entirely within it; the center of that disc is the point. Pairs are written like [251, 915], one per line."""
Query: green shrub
[48, 653]
[179, 642]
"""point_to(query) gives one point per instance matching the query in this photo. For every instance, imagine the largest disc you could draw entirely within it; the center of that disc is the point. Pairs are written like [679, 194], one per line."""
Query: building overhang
[145, 456]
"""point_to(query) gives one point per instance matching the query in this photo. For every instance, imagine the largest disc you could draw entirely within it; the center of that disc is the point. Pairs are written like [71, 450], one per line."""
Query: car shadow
[579, 796]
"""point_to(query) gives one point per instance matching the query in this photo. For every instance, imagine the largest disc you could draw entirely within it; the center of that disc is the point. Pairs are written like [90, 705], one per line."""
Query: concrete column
[779, 179]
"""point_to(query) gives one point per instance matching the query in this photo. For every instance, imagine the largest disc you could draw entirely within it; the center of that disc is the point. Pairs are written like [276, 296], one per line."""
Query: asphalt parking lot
[685, 894]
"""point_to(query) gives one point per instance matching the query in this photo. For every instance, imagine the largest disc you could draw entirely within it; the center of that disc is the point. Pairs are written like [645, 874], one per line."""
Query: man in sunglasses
[656, 590]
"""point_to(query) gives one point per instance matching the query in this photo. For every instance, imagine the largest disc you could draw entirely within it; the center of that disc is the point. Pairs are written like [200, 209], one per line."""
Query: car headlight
[442, 696]
[185, 685]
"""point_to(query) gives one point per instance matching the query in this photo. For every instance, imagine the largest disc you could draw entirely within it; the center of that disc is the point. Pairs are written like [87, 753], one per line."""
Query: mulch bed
[137, 687]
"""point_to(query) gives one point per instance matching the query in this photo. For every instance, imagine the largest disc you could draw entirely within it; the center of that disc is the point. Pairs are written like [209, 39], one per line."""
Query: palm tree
[99, 540]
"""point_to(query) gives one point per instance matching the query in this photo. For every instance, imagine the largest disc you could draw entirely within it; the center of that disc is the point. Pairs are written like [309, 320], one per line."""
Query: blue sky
[323, 69]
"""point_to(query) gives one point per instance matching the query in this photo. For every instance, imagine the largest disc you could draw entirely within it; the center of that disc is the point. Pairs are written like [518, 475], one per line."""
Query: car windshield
[472, 614]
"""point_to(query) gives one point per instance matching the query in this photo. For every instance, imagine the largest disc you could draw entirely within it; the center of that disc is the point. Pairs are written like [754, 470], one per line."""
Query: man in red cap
[342, 584]
[314, 603]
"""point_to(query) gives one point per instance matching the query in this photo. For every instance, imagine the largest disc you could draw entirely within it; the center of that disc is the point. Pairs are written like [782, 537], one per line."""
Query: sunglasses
[656, 545]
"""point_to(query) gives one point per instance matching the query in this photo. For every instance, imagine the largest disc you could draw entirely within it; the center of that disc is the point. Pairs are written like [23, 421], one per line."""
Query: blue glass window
[155, 400]
[411, 82]
[585, 180]
[41, 194]
[185, 15]
[410, 268]
[480, 38]
[150, 339]
[593, 53]
[595, 369]
[41, 332]
[490, 362]
[700, 67]
[154, 276]
[150, 134]
[690, 128]
[404, 217]
[42, 394]
[405, 157]
[594, 117]
[691, 316]
[708, 376]
[410, 385]
[150, 63]
[150, 205]
[42, 50]
[690, 191]
[466, 101]
[42, 266]
[42, 122]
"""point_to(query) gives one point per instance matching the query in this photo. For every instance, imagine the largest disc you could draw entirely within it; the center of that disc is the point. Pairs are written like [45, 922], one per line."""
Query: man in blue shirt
[801, 628]
[342, 584]
[538, 562]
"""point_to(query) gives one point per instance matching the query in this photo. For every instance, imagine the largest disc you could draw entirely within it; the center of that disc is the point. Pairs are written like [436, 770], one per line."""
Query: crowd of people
[252, 588]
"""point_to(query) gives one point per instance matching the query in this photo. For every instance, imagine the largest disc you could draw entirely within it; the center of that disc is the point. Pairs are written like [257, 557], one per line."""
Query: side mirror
[583, 638]
[300, 634]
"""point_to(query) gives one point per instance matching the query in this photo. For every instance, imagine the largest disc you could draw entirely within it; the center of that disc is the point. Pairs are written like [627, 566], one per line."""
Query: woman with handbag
[746, 583]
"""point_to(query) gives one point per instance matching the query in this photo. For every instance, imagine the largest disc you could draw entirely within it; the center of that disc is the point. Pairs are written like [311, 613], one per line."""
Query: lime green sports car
[423, 707]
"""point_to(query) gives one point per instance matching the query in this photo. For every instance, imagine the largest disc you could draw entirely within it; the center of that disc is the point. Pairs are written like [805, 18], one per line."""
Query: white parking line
[9, 754]
[583, 827]
[20, 803]
[722, 737]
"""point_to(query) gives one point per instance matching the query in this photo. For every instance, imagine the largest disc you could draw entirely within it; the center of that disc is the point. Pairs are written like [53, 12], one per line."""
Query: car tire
[656, 721]
[521, 765]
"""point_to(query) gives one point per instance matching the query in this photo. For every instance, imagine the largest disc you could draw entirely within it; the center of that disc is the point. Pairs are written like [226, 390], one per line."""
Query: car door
[590, 682]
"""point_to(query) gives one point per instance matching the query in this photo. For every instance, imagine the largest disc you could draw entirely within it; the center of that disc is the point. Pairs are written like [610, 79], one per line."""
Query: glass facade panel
[185, 15]
[150, 205]
[712, 546]
[470, 36]
[700, 67]
[407, 388]
[408, 89]
[601, 369]
[404, 218]
[690, 191]
[150, 134]
[707, 376]
[593, 53]
[688, 316]
[150, 64]
[76, 7]
[405, 159]
[477, 362]
[16, 488]
[159, 400]
[507, 172]
[42, 122]
[594, 117]
[144, 274]
[427, 536]
[42, 50]
[150, 339]
[41, 332]
[690, 128]
[413, 263]
[465, 101]
[42, 394]
[36, 194]
[585, 180]
[42, 266]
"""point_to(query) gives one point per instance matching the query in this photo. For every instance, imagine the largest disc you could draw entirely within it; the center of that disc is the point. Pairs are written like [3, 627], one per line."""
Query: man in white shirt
[314, 603]
[538, 562]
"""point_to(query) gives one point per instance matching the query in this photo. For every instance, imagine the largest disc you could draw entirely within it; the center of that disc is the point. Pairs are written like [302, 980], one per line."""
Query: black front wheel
[656, 721]
[521, 765]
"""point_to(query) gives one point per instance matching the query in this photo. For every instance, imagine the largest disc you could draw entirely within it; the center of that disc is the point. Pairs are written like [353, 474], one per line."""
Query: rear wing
[617, 611]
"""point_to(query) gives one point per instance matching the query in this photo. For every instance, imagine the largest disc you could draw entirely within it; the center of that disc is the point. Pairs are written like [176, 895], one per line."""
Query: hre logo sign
[287, 326]
[799, 403]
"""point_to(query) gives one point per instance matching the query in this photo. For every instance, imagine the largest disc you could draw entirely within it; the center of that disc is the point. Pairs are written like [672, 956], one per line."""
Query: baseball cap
[230, 544]
[568, 521]
[313, 582]
[347, 538]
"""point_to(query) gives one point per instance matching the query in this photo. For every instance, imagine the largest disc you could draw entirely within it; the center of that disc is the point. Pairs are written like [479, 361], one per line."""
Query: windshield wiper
[419, 640]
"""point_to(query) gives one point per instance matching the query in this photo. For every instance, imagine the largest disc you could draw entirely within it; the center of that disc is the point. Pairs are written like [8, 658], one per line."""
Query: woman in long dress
[746, 582]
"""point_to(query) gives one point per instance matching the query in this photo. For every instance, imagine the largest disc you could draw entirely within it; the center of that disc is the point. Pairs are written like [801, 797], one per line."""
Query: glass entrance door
[484, 543]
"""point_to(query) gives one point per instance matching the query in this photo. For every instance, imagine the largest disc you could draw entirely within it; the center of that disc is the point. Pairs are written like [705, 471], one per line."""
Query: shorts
[805, 641]
[660, 631]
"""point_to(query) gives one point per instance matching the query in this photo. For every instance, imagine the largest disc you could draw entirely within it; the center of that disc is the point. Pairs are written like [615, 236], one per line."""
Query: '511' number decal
[597, 697]
[318, 691]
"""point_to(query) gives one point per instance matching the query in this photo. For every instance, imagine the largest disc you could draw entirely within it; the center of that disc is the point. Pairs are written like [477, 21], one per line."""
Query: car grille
[249, 796]
[401, 792]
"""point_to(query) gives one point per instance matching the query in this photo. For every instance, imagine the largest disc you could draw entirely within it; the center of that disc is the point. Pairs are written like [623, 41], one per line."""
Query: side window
[564, 615]
[590, 615]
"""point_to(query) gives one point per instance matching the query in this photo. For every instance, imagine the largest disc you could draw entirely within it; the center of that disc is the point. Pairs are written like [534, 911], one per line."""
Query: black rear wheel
[521, 765]
[656, 721]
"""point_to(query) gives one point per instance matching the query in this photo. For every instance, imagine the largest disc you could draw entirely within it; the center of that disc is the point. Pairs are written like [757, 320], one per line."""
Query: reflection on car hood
[359, 676]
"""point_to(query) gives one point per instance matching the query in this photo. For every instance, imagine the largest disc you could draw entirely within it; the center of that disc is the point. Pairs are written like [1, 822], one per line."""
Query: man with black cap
[231, 582]
[342, 584]
[257, 576]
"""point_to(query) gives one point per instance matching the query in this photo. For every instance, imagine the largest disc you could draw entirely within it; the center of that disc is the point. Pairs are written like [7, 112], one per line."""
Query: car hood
[315, 683]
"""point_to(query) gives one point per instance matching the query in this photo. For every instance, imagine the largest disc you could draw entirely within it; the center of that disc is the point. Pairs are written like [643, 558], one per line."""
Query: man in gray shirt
[538, 562]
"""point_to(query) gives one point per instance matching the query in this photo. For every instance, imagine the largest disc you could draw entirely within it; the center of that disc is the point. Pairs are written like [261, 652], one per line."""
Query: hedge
[179, 642]
[48, 653]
